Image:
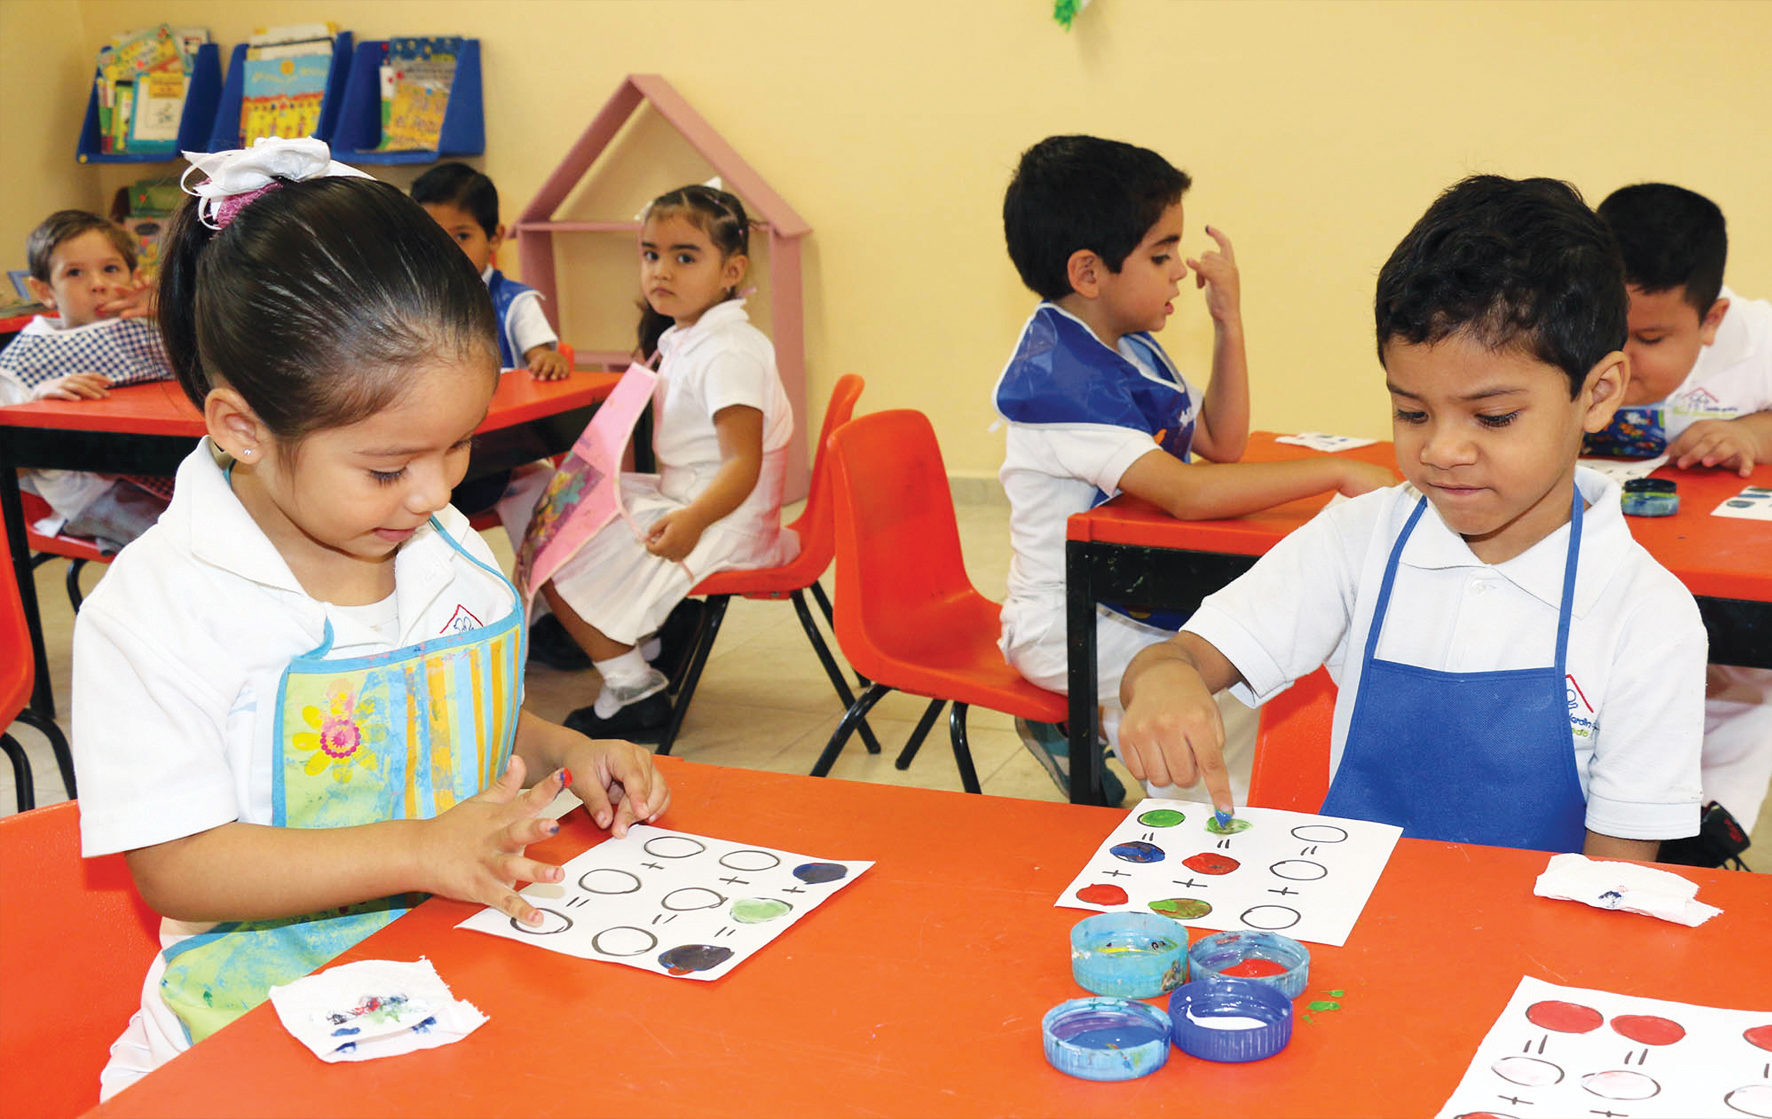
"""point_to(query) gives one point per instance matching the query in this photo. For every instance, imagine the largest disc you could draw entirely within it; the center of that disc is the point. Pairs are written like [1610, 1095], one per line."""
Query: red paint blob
[1254, 968]
[1564, 1017]
[1760, 1036]
[1100, 894]
[1647, 1029]
[1211, 863]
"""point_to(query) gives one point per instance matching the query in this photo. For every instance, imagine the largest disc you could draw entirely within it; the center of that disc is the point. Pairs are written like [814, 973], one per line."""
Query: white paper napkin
[1626, 886]
[1319, 441]
[373, 1008]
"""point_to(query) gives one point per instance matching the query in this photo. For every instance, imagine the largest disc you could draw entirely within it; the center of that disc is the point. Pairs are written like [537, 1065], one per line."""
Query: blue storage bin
[224, 133]
[359, 126]
[193, 127]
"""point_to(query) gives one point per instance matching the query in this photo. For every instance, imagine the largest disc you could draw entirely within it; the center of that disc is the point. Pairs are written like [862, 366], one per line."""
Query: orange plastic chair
[76, 551]
[908, 617]
[75, 941]
[17, 677]
[1291, 767]
[817, 531]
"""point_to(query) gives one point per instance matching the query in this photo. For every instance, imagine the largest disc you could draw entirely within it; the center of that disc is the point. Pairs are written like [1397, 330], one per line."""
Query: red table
[1131, 552]
[918, 990]
[150, 428]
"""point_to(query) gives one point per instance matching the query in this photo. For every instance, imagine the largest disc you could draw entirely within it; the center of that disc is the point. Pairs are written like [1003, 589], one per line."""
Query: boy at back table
[1514, 669]
[1094, 406]
[1701, 357]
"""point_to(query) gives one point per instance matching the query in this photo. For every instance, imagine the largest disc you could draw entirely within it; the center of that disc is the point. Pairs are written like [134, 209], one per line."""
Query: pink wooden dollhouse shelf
[536, 228]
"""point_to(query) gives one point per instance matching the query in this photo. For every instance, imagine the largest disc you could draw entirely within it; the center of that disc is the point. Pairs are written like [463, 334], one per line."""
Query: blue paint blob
[686, 958]
[814, 873]
[346, 1031]
[1117, 1037]
[1137, 851]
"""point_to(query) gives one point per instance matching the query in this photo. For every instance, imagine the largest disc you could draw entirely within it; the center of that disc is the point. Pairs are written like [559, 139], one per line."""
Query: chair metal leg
[709, 629]
[75, 598]
[21, 773]
[830, 667]
[917, 736]
[831, 620]
[840, 736]
[58, 743]
[962, 751]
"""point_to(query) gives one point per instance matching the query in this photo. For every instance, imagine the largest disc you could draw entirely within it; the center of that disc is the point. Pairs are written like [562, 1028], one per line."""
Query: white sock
[626, 678]
[651, 648]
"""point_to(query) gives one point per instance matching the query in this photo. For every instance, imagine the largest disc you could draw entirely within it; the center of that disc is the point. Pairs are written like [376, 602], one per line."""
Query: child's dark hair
[63, 226]
[315, 302]
[1670, 237]
[716, 213]
[1081, 192]
[1511, 265]
[458, 185]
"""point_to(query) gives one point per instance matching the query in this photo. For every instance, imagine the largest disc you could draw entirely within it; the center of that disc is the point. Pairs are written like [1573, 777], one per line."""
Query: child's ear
[1603, 391]
[497, 238]
[41, 291]
[234, 426]
[733, 270]
[1713, 318]
[1084, 269]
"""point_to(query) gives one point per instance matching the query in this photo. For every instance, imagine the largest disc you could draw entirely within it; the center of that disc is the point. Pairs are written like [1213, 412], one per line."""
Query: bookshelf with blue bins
[193, 126]
[224, 134]
[359, 125]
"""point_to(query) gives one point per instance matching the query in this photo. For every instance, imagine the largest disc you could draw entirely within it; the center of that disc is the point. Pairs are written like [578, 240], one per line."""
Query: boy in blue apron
[1513, 668]
[1094, 406]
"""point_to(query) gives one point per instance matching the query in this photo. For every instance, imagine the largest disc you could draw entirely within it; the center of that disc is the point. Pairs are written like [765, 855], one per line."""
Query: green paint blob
[754, 911]
[1161, 818]
[1182, 909]
[1323, 1004]
[1231, 828]
[1337, 994]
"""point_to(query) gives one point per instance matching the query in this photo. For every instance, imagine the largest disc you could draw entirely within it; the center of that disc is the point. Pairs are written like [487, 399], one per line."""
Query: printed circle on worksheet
[674, 846]
[755, 911]
[1319, 833]
[1299, 870]
[1751, 1099]
[608, 880]
[551, 922]
[624, 940]
[751, 860]
[1530, 1072]
[687, 899]
[1620, 1084]
[1161, 818]
[1271, 918]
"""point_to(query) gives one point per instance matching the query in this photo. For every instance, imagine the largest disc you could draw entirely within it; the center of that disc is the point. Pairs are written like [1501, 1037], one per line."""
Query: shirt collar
[679, 340]
[1539, 569]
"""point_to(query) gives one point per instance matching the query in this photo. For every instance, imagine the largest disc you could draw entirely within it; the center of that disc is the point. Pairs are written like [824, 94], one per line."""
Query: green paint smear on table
[1323, 1004]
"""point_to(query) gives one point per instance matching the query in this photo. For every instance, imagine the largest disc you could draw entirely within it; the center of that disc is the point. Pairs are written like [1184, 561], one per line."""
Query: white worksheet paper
[683, 905]
[1622, 470]
[1572, 1051]
[1305, 876]
[1323, 441]
[1752, 504]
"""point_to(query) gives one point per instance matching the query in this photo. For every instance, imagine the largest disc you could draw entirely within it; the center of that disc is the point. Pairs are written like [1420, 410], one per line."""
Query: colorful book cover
[159, 106]
[415, 95]
[283, 96]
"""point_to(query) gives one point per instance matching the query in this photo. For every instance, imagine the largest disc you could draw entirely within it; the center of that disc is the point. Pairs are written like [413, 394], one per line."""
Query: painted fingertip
[553, 827]
[565, 778]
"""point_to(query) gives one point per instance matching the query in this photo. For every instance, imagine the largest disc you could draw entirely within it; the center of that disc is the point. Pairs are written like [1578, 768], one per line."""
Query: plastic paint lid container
[1105, 1039]
[1222, 1019]
[1232, 951]
[1651, 497]
[1128, 955]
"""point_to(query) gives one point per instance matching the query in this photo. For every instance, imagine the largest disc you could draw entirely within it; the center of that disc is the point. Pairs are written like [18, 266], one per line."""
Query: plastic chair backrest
[1291, 768]
[75, 943]
[816, 524]
[17, 666]
[898, 545]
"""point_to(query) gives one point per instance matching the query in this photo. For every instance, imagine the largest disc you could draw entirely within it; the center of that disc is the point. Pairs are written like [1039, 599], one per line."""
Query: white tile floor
[763, 702]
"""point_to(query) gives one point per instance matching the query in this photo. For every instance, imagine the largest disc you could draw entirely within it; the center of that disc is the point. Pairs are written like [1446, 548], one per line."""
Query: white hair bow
[237, 177]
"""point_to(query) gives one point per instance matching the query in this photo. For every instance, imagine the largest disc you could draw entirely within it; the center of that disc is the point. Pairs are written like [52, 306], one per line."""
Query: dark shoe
[550, 644]
[1051, 747]
[641, 721]
[677, 637]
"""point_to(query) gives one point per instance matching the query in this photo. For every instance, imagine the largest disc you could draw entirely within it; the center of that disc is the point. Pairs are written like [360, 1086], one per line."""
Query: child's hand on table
[1363, 477]
[1172, 733]
[1217, 273]
[1729, 444]
[75, 386]
[547, 364]
[474, 851]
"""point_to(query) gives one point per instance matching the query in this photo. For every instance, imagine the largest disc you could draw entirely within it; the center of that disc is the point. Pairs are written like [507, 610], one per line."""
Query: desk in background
[918, 990]
[1128, 551]
[150, 428]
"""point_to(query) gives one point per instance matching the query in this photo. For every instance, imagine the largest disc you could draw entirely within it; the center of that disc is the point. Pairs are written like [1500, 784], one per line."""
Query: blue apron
[1467, 757]
[400, 735]
[505, 292]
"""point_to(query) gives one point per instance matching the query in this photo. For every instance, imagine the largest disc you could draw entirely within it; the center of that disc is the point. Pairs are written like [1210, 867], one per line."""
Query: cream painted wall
[1316, 133]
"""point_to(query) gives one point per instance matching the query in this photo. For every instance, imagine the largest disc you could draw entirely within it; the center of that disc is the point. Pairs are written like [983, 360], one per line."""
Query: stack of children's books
[415, 81]
[285, 86]
[141, 83]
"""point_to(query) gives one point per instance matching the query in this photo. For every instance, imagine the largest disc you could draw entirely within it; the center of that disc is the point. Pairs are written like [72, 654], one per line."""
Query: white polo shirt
[1636, 643]
[525, 324]
[1732, 376]
[179, 651]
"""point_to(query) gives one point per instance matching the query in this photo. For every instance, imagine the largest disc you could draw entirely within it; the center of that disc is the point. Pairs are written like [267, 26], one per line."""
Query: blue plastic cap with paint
[1651, 497]
[1128, 955]
[1105, 1039]
[1288, 960]
[1221, 1019]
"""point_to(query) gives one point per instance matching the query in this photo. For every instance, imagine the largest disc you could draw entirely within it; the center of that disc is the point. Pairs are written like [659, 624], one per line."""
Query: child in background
[1095, 407]
[295, 696]
[1461, 614]
[722, 422]
[1702, 357]
[85, 268]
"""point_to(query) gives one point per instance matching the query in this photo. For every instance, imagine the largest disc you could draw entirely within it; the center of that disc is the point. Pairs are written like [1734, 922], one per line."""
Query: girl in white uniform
[296, 698]
[722, 423]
